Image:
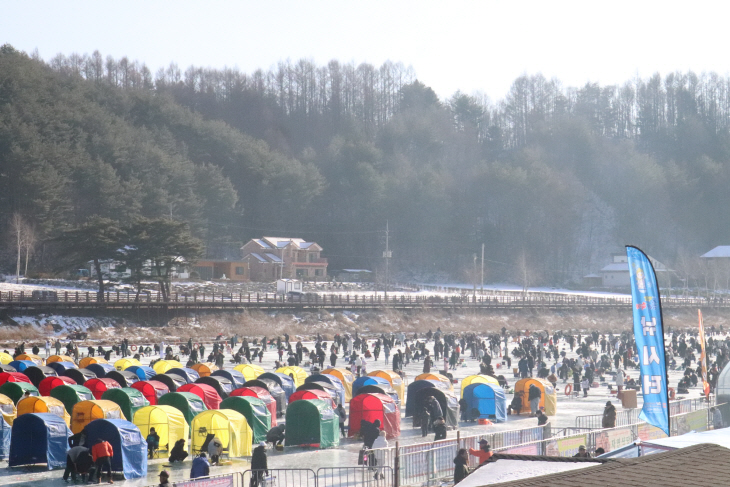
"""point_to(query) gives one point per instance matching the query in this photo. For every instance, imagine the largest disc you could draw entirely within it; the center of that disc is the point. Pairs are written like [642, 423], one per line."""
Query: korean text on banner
[649, 333]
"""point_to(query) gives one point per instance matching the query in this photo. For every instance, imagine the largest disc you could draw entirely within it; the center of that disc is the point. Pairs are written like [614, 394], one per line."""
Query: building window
[319, 272]
[301, 272]
[240, 271]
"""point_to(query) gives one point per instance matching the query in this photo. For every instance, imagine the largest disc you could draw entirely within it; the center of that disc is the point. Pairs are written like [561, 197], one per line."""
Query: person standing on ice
[534, 396]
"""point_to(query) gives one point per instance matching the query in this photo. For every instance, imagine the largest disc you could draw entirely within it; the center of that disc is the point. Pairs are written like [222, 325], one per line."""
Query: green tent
[186, 402]
[129, 399]
[69, 395]
[312, 422]
[255, 411]
[15, 390]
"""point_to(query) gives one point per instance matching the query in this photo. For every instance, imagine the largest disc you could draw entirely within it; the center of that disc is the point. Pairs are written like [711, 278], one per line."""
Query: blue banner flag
[649, 333]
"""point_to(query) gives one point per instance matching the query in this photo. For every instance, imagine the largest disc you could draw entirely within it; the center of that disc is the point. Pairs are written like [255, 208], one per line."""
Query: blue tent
[486, 401]
[284, 381]
[367, 381]
[39, 438]
[5, 435]
[61, 366]
[21, 365]
[330, 379]
[144, 373]
[130, 448]
[100, 369]
[237, 379]
[190, 375]
[413, 388]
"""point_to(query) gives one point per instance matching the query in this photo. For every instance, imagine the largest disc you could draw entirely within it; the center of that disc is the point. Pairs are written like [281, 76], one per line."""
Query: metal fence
[631, 416]
[375, 476]
[290, 477]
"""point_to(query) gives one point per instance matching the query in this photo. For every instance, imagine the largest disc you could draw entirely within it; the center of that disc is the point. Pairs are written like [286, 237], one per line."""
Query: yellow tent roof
[298, 373]
[43, 404]
[204, 369]
[29, 356]
[125, 363]
[162, 366]
[59, 358]
[228, 425]
[85, 412]
[249, 371]
[86, 361]
[346, 377]
[477, 379]
[438, 377]
[396, 381]
[6, 358]
[167, 421]
[8, 409]
[548, 399]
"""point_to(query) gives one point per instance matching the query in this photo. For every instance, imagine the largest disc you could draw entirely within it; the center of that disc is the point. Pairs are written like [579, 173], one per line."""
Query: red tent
[205, 392]
[375, 406]
[261, 393]
[50, 382]
[13, 377]
[99, 386]
[312, 394]
[152, 390]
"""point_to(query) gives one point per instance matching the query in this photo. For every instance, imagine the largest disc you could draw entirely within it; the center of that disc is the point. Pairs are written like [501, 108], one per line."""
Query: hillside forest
[551, 179]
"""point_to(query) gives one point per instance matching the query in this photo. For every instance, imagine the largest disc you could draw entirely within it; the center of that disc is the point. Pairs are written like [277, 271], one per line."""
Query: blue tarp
[366, 381]
[284, 381]
[190, 375]
[61, 366]
[21, 365]
[144, 373]
[486, 401]
[39, 438]
[100, 369]
[237, 379]
[332, 380]
[5, 436]
[130, 448]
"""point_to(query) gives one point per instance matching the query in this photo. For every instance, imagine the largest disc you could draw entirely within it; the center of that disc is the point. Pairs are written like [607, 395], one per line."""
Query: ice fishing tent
[144, 373]
[235, 377]
[285, 382]
[101, 369]
[128, 444]
[209, 395]
[368, 380]
[477, 379]
[125, 363]
[14, 377]
[79, 375]
[441, 378]
[254, 410]
[274, 390]
[485, 400]
[172, 381]
[298, 374]
[312, 422]
[380, 389]
[21, 365]
[204, 369]
[6, 432]
[228, 425]
[333, 393]
[61, 366]
[60, 358]
[333, 381]
[39, 438]
[15, 390]
[124, 378]
[370, 407]
[449, 405]
[99, 386]
[190, 375]
[396, 381]
[413, 389]
[249, 371]
[128, 399]
[222, 386]
[5, 358]
[70, 395]
[313, 394]
[40, 404]
[151, 389]
[85, 412]
[722, 392]
[36, 359]
[345, 376]
[168, 421]
[164, 366]
[7, 408]
[260, 393]
[44, 388]
[189, 404]
[86, 361]
[7, 368]
[549, 398]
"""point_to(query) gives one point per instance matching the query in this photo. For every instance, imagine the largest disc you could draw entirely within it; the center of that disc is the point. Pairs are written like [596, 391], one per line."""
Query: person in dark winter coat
[461, 466]
[369, 432]
[425, 421]
[609, 416]
[439, 429]
[534, 396]
[259, 465]
[342, 417]
[178, 453]
[435, 409]
[276, 435]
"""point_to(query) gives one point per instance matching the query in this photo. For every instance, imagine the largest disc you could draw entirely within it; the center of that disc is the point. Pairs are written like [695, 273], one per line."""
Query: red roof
[13, 377]
[205, 392]
[151, 390]
[45, 386]
[99, 386]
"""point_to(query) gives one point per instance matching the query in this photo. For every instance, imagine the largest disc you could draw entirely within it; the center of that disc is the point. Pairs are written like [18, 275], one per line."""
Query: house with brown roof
[271, 258]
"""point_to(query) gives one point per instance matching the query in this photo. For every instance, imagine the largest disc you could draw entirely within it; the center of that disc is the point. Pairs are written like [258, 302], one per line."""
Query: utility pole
[387, 255]
[482, 287]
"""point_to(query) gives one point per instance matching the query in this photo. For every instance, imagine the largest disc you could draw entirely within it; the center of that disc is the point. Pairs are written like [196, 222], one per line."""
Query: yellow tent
[85, 412]
[162, 366]
[86, 361]
[549, 398]
[167, 421]
[125, 363]
[204, 369]
[7, 407]
[346, 377]
[228, 425]
[298, 373]
[477, 379]
[59, 358]
[438, 377]
[33, 358]
[5, 358]
[249, 371]
[45, 404]
[396, 381]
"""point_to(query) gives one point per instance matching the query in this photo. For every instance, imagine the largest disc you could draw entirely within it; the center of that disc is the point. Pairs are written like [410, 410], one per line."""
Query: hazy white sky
[472, 46]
